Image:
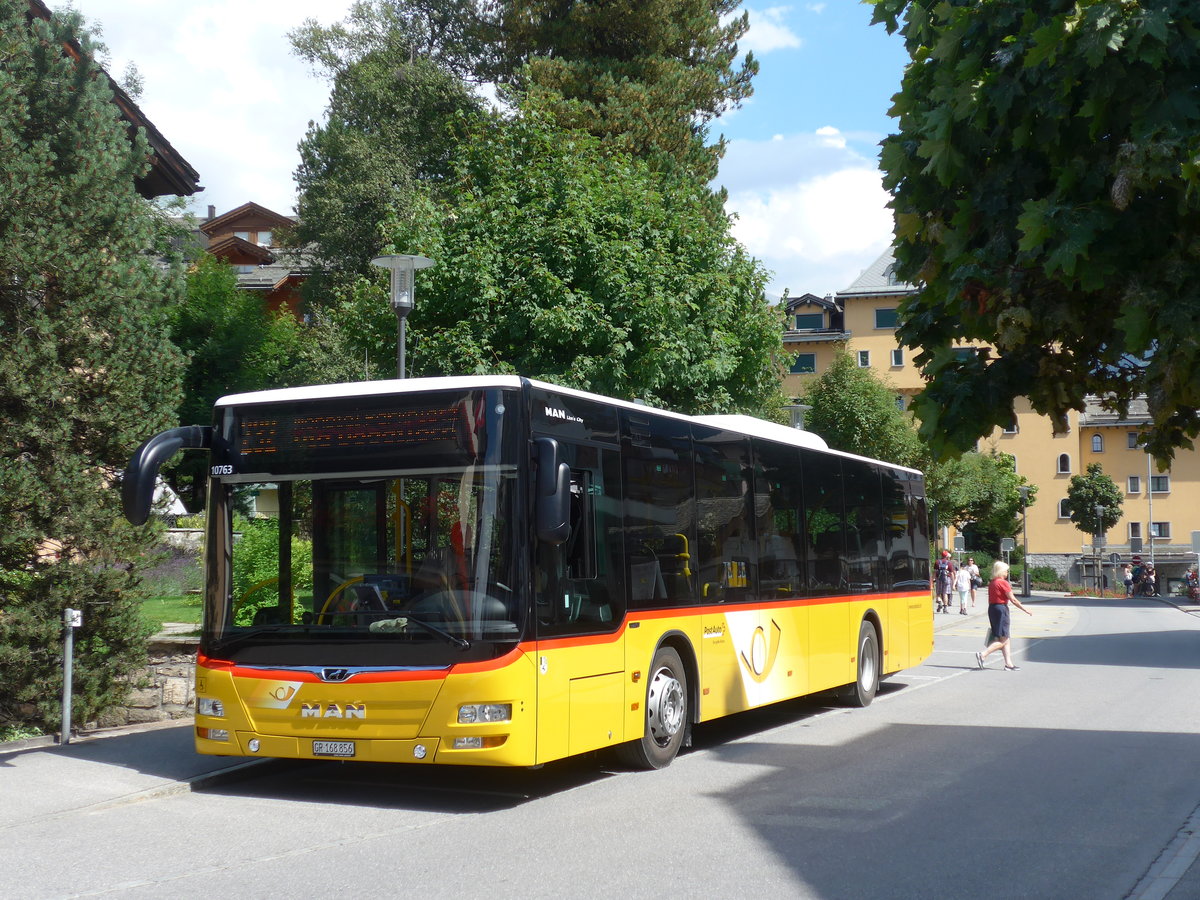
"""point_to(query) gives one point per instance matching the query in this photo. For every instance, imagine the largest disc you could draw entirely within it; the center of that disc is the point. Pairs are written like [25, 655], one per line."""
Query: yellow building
[1160, 510]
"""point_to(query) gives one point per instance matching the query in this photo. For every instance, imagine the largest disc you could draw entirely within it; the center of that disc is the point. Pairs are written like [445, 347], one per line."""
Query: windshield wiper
[383, 626]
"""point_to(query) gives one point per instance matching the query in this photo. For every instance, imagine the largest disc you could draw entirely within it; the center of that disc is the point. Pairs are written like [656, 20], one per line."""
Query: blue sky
[223, 87]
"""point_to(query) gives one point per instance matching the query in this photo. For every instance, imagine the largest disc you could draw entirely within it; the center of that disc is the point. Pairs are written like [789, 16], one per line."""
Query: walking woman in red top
[1000, 595]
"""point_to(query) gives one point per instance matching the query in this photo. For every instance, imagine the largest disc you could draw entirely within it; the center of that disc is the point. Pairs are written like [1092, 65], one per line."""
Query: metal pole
[1025, 549]
[400, 344]
[72, 619]
[1024, 541]
[1150, 503]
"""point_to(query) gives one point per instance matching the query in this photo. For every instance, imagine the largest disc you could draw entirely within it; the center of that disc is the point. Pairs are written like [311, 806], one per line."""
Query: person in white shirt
[976, 580]
[962, 586]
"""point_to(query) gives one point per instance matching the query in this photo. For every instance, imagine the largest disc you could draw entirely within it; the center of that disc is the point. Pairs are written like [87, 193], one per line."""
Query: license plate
[333, 748]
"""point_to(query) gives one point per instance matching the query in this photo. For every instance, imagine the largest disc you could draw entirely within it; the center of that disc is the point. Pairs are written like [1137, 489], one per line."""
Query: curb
[95, 734]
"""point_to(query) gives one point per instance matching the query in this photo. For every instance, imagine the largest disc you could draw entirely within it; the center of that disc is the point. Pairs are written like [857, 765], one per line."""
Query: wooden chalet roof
[170, 173]
[228, 245]
[247, 212]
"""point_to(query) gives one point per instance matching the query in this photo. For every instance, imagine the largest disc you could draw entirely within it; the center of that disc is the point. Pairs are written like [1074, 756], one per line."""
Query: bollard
[72, 619]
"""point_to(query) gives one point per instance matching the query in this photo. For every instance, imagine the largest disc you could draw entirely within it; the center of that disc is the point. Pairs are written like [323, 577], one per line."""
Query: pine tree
[87, 370]
[647, 78]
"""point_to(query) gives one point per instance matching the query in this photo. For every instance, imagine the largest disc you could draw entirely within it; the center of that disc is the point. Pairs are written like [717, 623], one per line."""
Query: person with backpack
[943, 585]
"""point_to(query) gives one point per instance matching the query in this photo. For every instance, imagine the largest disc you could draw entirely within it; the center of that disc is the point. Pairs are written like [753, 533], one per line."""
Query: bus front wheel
[666, 714]
[862, 692]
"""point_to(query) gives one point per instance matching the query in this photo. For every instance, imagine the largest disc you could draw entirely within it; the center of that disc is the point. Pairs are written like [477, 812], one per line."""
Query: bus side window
[779, 504]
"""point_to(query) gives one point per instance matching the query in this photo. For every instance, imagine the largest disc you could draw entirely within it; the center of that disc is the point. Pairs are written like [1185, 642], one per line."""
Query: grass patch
[160, 610]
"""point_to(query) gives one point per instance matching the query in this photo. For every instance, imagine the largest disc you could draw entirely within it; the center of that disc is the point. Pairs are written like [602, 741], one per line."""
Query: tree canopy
[557, 258]
[387, 136]
[87, 369]
[853, 410]
[1089, 491]
[1044, 177]
[647, 78]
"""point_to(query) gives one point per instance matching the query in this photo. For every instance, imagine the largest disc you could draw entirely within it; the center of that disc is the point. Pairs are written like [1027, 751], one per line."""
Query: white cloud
[768, 31]
[809, 206]
[234, 101]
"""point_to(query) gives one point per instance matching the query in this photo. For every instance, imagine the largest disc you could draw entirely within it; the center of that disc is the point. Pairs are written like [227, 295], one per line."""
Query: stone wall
[165, 689]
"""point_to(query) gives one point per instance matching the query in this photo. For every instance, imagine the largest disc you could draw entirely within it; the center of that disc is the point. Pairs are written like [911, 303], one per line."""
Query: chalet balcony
[815, 335]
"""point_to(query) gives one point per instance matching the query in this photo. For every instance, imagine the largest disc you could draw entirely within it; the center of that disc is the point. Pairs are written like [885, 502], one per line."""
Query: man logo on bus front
[332, 674]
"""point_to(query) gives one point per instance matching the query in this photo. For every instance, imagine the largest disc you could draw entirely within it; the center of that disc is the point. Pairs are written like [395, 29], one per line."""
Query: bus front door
[580, 611]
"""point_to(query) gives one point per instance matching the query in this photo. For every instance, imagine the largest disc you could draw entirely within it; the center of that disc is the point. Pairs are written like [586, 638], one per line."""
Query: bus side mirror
[553, 493]
[137, 485]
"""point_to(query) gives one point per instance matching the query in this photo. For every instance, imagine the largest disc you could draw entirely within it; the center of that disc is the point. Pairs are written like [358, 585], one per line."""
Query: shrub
[256, 568]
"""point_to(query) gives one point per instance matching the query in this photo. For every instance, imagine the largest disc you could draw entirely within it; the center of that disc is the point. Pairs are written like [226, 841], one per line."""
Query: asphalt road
[1073, 777]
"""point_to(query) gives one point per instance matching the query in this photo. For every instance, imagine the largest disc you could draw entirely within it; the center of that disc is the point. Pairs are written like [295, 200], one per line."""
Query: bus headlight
[473, 713]
[210, 706]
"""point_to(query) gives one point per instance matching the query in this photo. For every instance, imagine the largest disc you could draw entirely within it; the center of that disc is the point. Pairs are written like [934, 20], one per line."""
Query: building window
[1135, 484]
[1064, 464]
[890, 274]
[897, 357]
[885, 318]
[810, 321]
[965, 353]
[1135, 531]
[1064, 509]
[1132, 440]
[1011, 427]
[243, 269]
[1097, 443]
[244, 235]
[264, 238]
[804, 364]
[1160, 530]
[900, 402]
[864, 359]
[1160, 484]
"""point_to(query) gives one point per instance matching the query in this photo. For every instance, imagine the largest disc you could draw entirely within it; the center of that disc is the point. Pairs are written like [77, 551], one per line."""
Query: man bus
[498, 571]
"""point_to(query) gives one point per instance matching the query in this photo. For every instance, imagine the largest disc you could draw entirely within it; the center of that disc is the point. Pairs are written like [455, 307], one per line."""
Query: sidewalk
[946, 621]
[41, 779]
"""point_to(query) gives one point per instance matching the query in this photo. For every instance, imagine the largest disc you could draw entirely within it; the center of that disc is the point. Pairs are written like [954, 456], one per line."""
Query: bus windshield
[408, 567]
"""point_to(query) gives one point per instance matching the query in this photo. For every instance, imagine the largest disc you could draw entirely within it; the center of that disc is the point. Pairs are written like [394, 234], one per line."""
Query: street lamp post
[403, 293]
[1098, 542]
[1024, 489]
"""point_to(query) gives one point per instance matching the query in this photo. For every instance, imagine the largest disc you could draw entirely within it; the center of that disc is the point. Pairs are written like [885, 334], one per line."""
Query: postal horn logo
[759, 658]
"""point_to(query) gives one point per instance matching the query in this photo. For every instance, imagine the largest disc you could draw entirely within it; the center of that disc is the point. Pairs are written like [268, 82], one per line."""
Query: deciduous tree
[399, 73]
[559, 259]
[855, 411]
[1094, 500]
[1045, 184]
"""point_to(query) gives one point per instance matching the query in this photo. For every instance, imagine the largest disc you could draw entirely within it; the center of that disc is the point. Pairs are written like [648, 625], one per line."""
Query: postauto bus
[498, 571]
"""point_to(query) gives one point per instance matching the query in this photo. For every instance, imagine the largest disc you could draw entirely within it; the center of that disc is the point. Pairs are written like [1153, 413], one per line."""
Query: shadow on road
[1011, 812]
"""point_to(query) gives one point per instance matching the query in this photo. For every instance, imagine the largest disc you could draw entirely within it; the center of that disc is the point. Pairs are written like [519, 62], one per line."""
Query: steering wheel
[337, 590]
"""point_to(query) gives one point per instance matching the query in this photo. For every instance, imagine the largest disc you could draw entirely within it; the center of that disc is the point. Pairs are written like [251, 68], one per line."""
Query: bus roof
[743, 424]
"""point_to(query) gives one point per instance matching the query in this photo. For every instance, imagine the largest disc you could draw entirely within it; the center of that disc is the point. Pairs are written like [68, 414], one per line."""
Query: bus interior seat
[646, 581]
[368, 602]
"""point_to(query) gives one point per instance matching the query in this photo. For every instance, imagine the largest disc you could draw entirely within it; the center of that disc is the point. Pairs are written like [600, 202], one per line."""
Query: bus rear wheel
[862, 691]
[666, 714]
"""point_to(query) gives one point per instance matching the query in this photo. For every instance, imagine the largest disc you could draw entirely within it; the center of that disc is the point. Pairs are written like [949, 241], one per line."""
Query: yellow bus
[499, 571]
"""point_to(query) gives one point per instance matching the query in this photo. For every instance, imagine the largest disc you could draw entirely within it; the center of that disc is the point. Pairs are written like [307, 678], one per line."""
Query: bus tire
[862, 691]
[666, 714]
